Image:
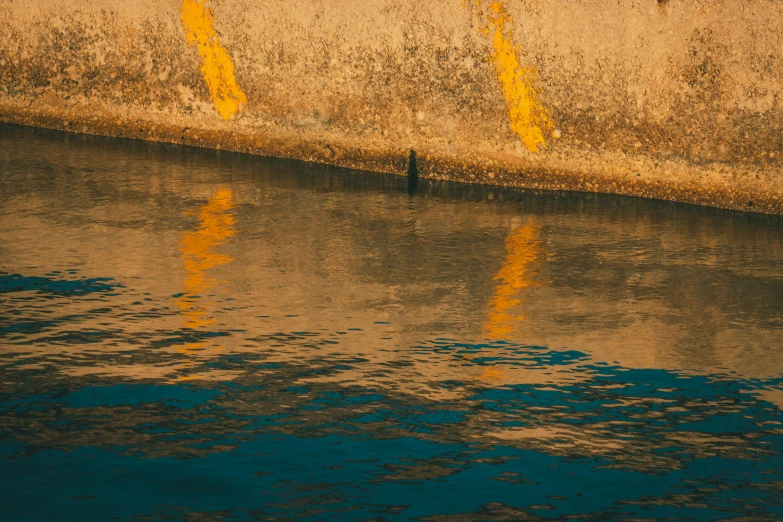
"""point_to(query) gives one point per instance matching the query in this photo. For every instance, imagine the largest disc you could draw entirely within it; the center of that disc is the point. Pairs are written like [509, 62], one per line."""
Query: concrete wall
[673, 99]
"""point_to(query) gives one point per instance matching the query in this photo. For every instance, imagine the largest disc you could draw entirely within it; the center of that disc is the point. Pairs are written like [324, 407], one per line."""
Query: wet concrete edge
[471, 169]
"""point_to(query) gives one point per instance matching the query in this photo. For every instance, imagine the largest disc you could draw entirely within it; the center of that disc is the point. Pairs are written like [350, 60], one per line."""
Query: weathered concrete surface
[677, 99]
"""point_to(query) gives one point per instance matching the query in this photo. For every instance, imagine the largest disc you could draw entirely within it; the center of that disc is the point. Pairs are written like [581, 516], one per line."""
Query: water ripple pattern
[194, 335]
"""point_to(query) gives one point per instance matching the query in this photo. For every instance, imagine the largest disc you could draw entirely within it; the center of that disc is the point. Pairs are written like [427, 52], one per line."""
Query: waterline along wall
[670, 99]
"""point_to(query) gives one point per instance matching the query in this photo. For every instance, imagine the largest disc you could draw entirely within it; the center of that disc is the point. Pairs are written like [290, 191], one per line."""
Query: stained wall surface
[672, 99]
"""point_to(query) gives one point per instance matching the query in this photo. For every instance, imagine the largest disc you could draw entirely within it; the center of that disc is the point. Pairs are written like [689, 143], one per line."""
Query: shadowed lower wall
[677, 99]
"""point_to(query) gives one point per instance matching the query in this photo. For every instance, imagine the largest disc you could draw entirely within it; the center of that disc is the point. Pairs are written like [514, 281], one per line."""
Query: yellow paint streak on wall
[529, 119]
[217, 67]
[522, 251]
[198, 254]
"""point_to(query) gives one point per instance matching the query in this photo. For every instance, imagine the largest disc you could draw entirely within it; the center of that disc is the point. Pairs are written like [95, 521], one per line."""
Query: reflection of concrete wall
[646, 286]
[677, 100]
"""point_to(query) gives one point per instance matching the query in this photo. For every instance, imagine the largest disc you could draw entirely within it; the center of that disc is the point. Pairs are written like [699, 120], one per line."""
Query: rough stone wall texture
[672, 99]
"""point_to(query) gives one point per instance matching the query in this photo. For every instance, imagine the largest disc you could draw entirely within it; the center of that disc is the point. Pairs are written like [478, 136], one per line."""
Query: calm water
[194, 335]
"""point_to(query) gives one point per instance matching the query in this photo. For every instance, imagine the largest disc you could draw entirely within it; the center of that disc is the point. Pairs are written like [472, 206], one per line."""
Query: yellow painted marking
[197, 250]
[217, 67]
[529, 119]
[522, 251]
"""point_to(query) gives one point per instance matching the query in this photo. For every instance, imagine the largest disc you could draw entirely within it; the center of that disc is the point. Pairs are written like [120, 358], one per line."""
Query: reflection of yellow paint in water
[216, 225]
[493, 373]
[522, 251]
[527, 114]
[217, 67]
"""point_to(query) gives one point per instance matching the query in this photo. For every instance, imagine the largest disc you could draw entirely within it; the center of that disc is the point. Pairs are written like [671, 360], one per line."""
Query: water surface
[196, 335]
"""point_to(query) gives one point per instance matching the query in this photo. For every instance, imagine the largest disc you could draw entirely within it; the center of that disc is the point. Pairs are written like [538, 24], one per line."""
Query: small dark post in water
[413, 173]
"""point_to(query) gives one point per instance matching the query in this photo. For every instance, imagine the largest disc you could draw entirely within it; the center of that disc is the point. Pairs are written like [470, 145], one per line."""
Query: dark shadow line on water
[328, 178]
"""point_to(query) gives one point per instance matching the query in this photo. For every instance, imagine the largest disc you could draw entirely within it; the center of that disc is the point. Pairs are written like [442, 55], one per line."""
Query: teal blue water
[190, 335]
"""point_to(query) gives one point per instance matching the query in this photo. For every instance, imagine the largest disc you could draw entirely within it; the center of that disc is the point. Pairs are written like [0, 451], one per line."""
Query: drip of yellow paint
[217, 67]
[529, 119]
[197, 249]
[522, 251]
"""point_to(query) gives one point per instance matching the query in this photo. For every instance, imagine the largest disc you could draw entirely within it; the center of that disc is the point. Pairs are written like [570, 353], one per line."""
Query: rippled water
[195, 335]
